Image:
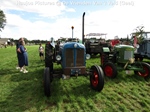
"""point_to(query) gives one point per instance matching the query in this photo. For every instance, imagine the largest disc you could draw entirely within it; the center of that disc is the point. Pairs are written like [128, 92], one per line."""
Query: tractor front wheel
[110, 70]
[46, 82]
[146, 68]
[97, 78]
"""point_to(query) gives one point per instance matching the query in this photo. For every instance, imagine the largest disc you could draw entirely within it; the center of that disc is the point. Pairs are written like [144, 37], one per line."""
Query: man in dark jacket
[18, 52]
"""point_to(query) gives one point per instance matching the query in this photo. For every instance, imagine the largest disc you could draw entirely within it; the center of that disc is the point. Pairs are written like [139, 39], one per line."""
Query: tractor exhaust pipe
[83, 28]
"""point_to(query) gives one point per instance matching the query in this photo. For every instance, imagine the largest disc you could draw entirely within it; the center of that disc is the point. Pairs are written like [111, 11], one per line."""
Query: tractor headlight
[75, 45]
[88, 56]
[58, 57]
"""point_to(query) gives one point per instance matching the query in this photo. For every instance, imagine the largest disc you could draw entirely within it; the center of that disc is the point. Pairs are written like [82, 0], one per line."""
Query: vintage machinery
[93, 44]
[72, 58]
[63, 40]
[72, 40]
[142, 48]
[122, 58]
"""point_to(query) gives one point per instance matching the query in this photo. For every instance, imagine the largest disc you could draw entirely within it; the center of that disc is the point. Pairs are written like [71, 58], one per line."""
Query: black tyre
[48, 55]
[46, 82]
[51, 72]
[146, 72]
[110, 70]
[97, 78]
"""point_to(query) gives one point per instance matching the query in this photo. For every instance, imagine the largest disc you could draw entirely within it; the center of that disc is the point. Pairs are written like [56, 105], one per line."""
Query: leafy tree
[2, 20]
[139, 32]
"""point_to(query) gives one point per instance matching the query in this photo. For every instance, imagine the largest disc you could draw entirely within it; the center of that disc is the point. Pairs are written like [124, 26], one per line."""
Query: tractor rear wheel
[48, 55]
[46, 82]
[110, 70]
[97, 78]
[146, 72]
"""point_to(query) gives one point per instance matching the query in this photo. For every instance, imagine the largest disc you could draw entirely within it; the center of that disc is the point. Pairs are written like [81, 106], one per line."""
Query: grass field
[24, 92]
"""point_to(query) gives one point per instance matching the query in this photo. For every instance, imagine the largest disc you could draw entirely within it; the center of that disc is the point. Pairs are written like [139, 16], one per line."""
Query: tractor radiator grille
[128, 55]
[80, 57]
[74, 57]
[69, 58]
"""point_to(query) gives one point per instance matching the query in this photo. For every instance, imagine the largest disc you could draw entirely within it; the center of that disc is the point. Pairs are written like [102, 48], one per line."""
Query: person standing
[23, 57]
[18, 52]
[41, 52]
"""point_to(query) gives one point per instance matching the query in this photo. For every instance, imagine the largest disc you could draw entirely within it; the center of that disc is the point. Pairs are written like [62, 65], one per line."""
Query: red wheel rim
[108, 71]
[95, 79]
[144, 74]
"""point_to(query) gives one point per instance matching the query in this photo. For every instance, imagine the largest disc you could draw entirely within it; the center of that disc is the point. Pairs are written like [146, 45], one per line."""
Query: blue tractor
[72, 58]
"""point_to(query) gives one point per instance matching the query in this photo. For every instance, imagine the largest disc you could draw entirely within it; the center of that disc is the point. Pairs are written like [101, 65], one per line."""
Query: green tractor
[122, 58]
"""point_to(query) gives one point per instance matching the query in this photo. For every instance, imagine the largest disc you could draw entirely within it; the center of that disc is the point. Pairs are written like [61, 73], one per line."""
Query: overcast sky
[43, 19]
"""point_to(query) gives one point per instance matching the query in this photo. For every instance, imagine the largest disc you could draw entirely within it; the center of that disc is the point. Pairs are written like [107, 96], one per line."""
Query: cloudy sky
[43, 19]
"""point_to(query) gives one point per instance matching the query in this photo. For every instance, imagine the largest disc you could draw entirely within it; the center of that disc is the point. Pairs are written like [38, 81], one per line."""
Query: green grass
[24, 92]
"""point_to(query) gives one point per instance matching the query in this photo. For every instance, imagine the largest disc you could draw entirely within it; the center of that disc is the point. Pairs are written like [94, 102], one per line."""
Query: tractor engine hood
[123, 46]
[73, 45]
[125, 53]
